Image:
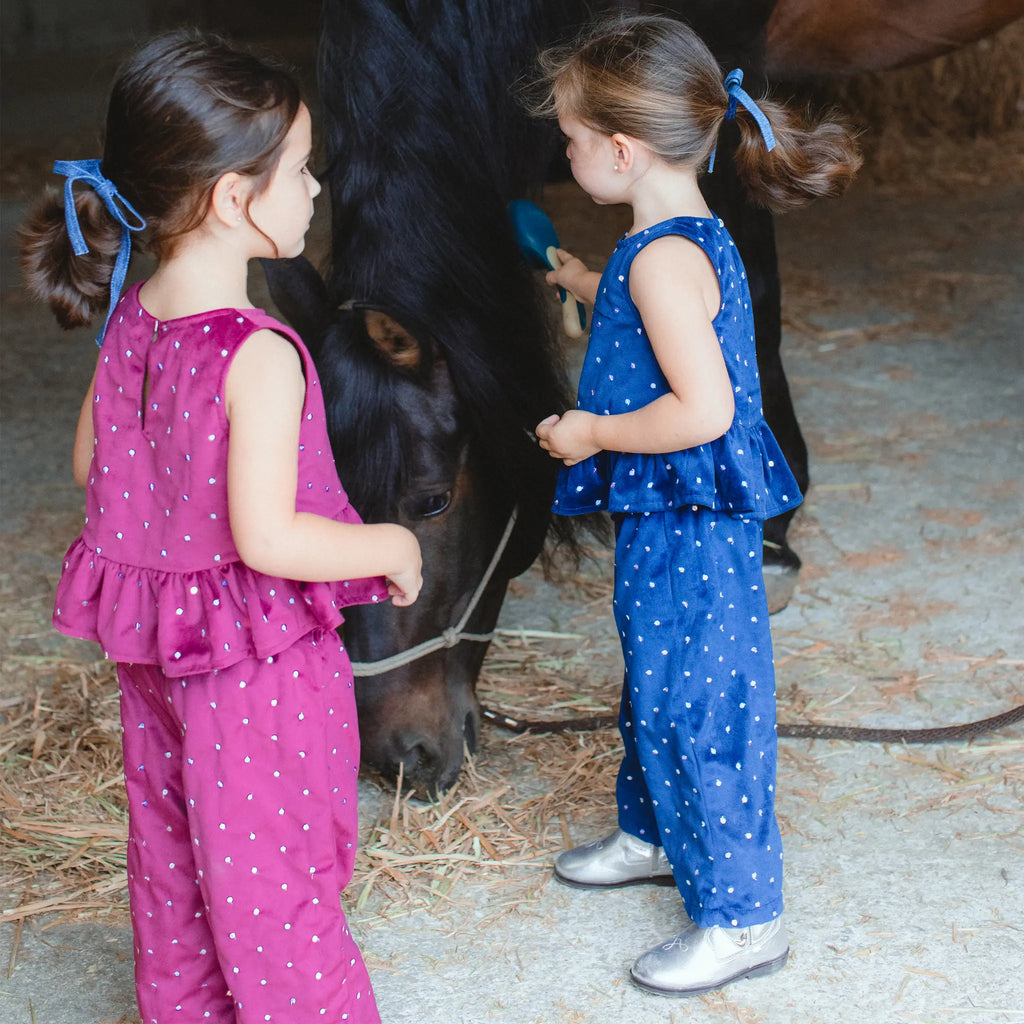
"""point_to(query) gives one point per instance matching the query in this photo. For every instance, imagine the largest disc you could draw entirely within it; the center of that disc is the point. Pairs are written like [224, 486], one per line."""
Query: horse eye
[430, 505]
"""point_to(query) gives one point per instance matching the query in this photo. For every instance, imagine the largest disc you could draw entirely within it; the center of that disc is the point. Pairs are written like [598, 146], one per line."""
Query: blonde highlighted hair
[652, 78]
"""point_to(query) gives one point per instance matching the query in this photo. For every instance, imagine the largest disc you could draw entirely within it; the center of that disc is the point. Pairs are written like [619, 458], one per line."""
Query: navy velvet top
[741, 472]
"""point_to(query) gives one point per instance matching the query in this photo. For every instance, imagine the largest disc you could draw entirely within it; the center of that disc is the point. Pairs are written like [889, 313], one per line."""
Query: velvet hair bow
[738, 95]
[119, 208]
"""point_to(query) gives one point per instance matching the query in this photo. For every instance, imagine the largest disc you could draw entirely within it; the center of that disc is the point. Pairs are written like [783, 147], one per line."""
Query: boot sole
[753, 972]
[653, 880]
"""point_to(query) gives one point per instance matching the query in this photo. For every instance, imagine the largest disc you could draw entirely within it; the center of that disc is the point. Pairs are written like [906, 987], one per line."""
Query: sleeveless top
[743, 472]
[155, 577]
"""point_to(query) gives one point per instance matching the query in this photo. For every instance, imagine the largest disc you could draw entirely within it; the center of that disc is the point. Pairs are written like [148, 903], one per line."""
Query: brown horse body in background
[811, 38]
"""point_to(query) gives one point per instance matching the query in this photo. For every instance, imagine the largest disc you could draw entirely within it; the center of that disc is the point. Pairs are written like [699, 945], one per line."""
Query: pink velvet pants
[242, 833]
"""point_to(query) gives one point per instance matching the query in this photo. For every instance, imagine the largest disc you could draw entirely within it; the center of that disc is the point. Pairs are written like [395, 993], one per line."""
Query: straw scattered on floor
[63, 815]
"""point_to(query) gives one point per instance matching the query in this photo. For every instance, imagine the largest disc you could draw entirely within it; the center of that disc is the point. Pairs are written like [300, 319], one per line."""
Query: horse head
[434, 347]
[406, 452]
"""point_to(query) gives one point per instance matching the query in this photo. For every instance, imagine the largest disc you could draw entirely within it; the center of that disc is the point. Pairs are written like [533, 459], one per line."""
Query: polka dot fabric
[155, 577]
[743, 471]
[698, 709]
[242, 832]
[698, 703]
[240, 738]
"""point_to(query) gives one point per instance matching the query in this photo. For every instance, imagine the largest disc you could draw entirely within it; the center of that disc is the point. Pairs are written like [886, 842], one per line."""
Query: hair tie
[737, 94]
[118, 207]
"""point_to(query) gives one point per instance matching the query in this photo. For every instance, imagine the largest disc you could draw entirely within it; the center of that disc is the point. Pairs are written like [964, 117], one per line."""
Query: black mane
[426, 144]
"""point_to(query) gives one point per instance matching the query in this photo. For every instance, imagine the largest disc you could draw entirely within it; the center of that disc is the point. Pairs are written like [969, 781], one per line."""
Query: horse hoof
[781, 571]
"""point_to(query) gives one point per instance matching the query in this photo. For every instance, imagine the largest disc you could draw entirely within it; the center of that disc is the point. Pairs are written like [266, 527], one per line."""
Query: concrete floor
[905, 866]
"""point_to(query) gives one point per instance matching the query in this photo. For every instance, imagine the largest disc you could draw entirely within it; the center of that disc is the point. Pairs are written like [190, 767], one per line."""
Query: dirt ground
[905, 865]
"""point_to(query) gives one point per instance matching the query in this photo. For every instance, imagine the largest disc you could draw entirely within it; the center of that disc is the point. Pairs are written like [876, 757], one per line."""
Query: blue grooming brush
[538, 242]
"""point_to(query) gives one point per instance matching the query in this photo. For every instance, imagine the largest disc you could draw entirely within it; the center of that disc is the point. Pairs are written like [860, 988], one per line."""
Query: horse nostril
[415, 755]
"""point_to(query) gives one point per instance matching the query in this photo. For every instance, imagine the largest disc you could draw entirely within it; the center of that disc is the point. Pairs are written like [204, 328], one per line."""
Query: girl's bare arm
[85, 438]
[265, 391]
[676, 291]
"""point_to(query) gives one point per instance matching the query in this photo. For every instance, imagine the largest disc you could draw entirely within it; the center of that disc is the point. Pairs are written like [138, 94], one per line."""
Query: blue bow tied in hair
[119, 208]
[737, 94]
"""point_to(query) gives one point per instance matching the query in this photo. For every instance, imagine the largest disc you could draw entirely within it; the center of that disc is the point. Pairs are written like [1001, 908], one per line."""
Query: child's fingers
[543, 432]
[404, 594]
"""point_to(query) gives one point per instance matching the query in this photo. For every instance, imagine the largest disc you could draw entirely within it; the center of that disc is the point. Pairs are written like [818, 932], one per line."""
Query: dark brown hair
[184, 110]
[652, 78]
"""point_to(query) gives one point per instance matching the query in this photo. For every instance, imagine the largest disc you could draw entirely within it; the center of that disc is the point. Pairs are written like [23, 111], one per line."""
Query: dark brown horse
[430, 333]
[433, 345]
[431, 337]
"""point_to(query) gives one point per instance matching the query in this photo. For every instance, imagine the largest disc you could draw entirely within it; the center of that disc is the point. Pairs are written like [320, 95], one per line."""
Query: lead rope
[453, 635]
[788, 730]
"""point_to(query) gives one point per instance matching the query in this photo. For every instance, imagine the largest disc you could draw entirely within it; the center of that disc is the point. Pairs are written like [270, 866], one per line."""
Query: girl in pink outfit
[216, 532]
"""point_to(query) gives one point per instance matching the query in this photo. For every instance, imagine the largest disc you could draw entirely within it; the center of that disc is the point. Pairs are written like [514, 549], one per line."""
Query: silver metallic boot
[616, 860]
[704, 959]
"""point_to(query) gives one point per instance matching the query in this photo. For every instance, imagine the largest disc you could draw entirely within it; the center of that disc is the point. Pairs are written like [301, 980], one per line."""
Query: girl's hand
[404, 588]
[404, 584]
[574, 276]
[569, 437]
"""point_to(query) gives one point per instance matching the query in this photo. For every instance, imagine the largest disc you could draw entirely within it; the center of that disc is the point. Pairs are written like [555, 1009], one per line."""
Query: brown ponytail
[76, 287]
[810, 160]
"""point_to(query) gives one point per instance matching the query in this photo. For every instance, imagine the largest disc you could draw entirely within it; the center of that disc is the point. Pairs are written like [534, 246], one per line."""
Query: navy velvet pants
[698, 709]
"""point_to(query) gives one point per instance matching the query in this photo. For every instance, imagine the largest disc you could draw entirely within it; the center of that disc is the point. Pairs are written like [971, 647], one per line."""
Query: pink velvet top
[155, 577]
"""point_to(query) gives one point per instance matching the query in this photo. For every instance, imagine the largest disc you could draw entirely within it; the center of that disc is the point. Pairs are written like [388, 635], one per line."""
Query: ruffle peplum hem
[193, 622]
[753, 480]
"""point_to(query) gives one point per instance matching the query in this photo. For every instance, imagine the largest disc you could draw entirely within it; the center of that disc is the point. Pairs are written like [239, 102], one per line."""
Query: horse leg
[781, 562]
[753, 230]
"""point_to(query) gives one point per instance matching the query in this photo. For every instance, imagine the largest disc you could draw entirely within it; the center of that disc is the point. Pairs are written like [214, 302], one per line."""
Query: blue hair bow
[120, 209]
[737, 94]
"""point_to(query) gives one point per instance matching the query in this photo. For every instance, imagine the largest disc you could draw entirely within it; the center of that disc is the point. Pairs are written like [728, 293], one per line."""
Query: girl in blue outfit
[669, 437]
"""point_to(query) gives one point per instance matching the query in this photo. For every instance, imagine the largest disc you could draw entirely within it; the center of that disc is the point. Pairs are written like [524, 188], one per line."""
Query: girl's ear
[227, 204]
[630, 154]
[624, 151]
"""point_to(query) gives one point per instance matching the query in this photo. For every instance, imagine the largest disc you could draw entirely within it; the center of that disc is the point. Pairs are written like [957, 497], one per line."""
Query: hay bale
[956, 118]
[974, 91]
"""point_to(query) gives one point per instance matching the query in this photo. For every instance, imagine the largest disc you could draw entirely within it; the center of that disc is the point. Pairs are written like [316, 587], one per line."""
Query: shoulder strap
[698, 230]
[261, 320]
[701, 231]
